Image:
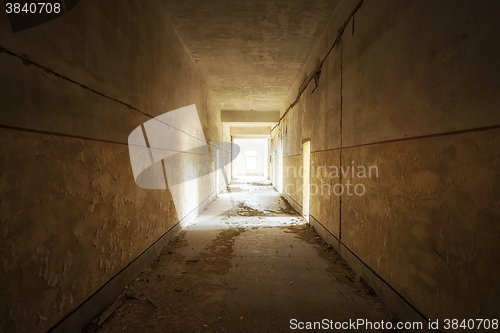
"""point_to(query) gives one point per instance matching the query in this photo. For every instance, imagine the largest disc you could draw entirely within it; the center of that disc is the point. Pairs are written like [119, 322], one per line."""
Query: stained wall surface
[412, 90]
[73, 89]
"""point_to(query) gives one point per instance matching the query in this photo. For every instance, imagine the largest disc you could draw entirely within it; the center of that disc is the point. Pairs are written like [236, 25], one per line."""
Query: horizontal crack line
[27, 62]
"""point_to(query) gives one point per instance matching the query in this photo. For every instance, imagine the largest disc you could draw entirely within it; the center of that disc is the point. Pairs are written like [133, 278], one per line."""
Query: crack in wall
[317, 71]
[28, 62]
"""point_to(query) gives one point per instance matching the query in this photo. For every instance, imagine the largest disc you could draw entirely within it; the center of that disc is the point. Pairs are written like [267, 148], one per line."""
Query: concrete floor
[249, 263]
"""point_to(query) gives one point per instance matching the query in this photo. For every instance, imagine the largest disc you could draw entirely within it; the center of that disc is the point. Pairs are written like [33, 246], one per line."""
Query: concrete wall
[73, 89]
[412, 88]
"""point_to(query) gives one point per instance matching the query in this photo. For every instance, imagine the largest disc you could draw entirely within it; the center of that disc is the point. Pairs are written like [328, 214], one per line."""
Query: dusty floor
[249, 263]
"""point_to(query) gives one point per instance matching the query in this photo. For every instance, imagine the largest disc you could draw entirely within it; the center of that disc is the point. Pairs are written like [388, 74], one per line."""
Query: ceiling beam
[243, 131]
[250, 116]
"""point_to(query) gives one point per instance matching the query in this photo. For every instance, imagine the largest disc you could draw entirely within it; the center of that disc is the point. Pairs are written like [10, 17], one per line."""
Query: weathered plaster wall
[412, 88]
[72, 91]
[429, 223]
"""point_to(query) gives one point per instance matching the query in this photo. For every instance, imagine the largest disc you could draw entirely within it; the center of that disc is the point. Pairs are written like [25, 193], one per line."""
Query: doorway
[217, 166]
[306, 172]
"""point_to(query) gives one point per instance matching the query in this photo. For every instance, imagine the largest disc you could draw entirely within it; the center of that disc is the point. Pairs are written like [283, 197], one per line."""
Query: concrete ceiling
[250, 51]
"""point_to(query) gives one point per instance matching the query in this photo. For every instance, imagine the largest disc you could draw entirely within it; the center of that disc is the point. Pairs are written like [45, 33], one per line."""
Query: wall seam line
[27, 62]
[77, 137]
[340, 129]
[436, 135]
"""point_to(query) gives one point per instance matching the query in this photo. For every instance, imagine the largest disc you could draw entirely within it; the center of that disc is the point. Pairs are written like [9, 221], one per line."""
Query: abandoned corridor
[120, 127]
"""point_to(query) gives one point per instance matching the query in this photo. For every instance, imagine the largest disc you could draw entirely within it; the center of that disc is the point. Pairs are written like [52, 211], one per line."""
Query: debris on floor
[244, 273]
